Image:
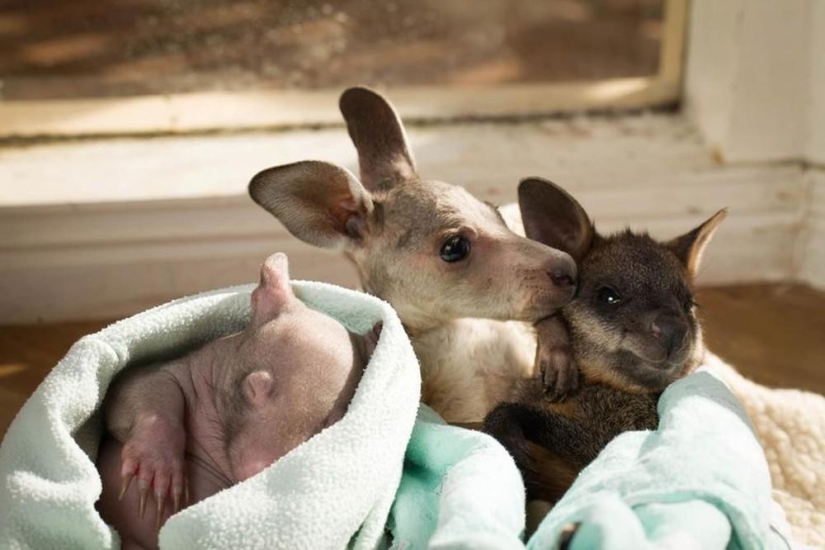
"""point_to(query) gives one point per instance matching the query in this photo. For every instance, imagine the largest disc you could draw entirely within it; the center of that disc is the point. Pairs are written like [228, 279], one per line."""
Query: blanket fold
[699, 481]
[460, 489]
[790, 425]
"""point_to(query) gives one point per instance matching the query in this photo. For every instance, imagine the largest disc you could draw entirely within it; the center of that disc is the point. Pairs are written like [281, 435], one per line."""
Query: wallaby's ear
[690, 246]
[318, 202]
[384, 156]
[553, 217]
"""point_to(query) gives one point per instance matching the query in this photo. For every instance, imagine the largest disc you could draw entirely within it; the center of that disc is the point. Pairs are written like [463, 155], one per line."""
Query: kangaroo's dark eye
[689, 304]
[608, 296]
[455, 249]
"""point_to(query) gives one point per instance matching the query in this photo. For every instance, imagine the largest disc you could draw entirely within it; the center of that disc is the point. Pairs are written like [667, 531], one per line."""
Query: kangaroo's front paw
[559, 374]
[154, 453]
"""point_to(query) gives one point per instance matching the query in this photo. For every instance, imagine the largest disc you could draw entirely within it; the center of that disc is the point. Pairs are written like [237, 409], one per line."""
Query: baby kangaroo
[445, 261]
[631, 330]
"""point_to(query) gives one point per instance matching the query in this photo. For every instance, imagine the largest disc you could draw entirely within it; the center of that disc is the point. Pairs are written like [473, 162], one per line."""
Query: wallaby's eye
[455, 249]
[608, 296]
[689, 304]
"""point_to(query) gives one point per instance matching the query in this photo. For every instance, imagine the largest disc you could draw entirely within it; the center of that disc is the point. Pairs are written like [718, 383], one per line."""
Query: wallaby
[630, 331]
[445, 260]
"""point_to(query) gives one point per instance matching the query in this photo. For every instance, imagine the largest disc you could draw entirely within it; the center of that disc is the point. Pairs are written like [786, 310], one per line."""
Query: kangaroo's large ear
[552, 217]
[318, 202]
[384, 155]
[690, 247]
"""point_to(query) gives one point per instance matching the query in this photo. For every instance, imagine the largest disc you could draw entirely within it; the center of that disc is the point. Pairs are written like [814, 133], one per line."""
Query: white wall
[816, 96]
[748, 67]
[79, 250]
[811, 251]
[755, 89]
[812, 260]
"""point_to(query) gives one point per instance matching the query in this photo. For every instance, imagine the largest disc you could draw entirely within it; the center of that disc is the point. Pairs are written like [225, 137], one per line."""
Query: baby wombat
[191, 427]
[629, 331]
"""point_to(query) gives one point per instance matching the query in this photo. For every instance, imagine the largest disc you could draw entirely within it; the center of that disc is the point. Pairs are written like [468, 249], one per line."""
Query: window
[100, 67]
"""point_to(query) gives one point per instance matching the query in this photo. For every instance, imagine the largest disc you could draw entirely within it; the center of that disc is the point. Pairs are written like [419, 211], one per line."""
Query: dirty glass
[98, 48]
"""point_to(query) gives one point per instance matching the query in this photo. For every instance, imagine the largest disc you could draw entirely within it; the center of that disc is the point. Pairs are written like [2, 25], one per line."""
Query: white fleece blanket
[790, 425]
[335, 490]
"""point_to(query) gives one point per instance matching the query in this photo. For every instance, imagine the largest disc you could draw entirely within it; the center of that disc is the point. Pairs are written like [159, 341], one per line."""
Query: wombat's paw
[154, 453]
[559, 374]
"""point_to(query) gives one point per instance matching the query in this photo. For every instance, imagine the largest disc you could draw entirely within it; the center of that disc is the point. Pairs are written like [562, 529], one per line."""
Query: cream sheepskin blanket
[790, 425]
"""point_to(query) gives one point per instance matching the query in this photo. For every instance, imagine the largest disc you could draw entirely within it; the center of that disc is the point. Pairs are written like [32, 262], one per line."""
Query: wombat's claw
[160, 501]
[127, 480]
[144, 492]
[154, 453]
[178, 486]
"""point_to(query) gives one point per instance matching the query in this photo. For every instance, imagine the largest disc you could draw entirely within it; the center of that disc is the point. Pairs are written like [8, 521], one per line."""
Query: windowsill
[128, 223]
[279, 110]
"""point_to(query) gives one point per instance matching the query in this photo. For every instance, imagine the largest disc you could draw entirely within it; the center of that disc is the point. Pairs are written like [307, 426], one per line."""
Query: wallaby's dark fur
[628, 333]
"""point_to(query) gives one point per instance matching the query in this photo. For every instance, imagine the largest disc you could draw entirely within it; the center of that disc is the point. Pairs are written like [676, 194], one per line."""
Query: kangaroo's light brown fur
[469, 319]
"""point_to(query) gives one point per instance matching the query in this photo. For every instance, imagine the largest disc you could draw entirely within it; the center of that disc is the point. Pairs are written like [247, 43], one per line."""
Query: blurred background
[129, 131]
[53, 50]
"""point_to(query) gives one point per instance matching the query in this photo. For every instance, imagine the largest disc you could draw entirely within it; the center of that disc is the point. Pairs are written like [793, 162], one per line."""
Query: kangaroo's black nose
[562, 272]
[562, 277]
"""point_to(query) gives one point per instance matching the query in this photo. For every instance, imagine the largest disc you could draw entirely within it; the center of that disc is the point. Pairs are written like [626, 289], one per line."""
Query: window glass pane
[95, 48]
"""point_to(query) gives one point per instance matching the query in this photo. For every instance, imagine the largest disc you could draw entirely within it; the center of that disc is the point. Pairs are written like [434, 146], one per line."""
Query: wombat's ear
[384, 155]
[690, 246]
[257, 388]
[553, 217]
[320, 203]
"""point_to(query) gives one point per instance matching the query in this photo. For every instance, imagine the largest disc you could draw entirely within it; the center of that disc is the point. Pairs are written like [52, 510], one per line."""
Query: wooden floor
[775, 334]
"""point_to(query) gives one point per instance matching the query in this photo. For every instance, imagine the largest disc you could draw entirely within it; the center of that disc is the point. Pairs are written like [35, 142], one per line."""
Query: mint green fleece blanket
[459, 489]
[700, 481]
[387, 474]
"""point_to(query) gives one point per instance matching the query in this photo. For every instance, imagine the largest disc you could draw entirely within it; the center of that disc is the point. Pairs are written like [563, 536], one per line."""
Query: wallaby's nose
[669, 331]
